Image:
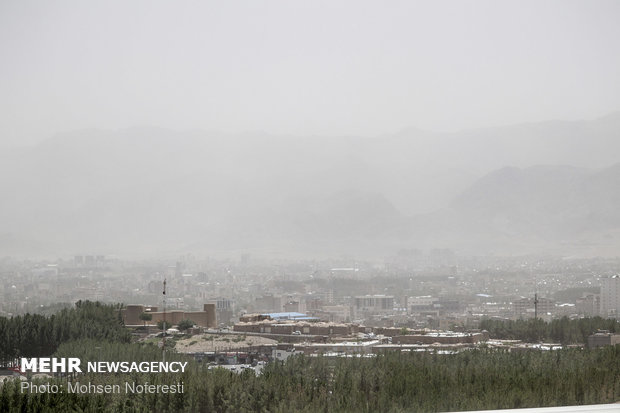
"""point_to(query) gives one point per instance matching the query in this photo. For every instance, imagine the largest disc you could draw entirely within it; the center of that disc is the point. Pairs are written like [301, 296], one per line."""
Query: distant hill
[152, 191]
[541, 208]
[562, 200]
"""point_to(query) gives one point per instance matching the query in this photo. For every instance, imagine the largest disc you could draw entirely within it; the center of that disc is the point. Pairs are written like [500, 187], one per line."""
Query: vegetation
[34, 335]
[391, 382]
[394, 382]
[146, 317]
[561, 330]
[185, 325]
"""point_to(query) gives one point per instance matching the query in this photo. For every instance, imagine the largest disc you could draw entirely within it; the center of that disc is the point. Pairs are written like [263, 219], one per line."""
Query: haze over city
[336, 206]
[309, 128]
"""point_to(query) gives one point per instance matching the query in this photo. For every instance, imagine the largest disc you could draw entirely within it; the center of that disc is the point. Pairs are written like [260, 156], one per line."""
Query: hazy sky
[303, 67]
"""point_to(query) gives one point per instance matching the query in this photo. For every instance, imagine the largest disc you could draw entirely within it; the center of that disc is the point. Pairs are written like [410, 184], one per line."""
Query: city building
[421, 303]
[588, 305]
[206, 318]
[374, 303]
[525, 307]
[610, 297]
[603, 338]
[224, 309]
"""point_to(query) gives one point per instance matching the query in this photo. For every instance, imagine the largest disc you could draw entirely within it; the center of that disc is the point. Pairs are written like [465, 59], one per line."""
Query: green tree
[146, 317]
[185, 325]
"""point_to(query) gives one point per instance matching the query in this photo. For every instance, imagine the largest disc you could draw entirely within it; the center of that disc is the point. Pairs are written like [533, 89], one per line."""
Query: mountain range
[550, 187]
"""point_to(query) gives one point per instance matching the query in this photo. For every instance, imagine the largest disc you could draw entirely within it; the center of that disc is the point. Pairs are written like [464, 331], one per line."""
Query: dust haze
[309, 129]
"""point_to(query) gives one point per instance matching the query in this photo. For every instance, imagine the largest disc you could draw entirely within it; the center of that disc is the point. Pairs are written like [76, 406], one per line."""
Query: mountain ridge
[160, 189]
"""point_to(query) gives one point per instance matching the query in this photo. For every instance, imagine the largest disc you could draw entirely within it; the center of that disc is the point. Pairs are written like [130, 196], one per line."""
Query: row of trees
[563, 330]
[182, 326]
[392, 382]
[34, 335]
[395, 382]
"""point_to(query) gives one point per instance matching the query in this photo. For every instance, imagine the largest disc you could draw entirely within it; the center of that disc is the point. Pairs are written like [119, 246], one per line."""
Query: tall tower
[610, 297]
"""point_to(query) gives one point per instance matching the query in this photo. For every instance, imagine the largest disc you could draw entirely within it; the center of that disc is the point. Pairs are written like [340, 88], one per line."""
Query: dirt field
[215, 342]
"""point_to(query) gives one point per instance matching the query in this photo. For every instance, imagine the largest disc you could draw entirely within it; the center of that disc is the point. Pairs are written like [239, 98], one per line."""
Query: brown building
[249, 318]
[603, 338]
[205, 318]
[314, 328]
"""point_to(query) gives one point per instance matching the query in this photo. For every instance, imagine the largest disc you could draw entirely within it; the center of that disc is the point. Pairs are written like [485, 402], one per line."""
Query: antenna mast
[163, 341]
[535, 294]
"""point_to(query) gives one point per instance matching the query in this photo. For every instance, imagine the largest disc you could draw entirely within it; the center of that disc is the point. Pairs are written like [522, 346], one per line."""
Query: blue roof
[290, 316]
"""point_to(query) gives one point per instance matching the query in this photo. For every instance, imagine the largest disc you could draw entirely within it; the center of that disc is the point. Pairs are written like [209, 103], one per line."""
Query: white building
[610, 297]
[337, 313]
[374, 303]
[421, 303]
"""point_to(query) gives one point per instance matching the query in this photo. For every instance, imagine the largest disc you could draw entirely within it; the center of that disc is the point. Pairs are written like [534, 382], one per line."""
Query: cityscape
[409, 289]
[309, 206]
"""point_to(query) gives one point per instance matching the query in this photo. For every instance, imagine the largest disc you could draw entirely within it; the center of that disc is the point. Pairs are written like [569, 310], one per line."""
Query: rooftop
[290, 316]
